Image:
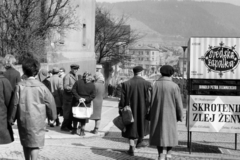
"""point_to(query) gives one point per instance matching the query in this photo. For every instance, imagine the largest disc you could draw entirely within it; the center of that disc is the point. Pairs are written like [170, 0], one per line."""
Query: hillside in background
[177, 21]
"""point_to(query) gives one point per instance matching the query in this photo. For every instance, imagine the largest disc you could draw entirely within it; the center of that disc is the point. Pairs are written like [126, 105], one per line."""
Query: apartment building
[148, 57]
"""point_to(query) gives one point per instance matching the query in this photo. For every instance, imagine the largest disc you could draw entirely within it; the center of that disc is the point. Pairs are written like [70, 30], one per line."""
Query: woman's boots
[94, 131]
[82, 133]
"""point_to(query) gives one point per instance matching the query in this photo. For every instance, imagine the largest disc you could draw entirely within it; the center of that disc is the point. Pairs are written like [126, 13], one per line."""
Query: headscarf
[87, 77]
[99, 77]
[43, 74]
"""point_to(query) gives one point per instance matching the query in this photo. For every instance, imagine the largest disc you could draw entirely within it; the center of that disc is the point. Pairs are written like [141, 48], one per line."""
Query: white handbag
[82, 112]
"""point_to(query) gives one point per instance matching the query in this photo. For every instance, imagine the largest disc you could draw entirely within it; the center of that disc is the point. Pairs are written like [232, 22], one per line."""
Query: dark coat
[68, 82]
[31, 105]
[13, 76]
[166, 110]
[83, 90]
[6, 132]
[98, 100]
[137, 91]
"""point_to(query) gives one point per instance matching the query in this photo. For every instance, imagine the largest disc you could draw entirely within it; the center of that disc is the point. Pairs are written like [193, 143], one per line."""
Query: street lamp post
[184, 49]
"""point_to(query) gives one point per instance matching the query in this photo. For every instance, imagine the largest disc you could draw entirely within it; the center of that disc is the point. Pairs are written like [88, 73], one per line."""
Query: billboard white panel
[214, 58]
[214, 114]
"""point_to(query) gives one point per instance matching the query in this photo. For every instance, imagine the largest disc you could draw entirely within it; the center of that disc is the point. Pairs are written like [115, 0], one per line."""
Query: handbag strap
[83, 104]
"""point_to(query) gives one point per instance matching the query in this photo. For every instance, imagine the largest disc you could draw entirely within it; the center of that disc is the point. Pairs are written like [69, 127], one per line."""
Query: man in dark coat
[6, 132]
[137, 93]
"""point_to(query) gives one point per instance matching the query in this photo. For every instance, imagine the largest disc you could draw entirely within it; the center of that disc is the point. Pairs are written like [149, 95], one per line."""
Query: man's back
[135, 92]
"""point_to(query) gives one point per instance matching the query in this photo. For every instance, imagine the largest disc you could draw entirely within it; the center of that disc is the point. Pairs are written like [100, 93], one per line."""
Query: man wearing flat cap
[166, 111]
[136, 92]
[56, 90]
[68, 82]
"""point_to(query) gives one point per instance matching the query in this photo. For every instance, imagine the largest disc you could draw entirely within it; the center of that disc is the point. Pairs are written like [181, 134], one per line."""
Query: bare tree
[27, 24]
[112, 37]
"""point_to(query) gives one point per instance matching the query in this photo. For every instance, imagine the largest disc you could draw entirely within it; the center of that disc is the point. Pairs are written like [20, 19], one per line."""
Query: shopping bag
[118, 122]
[127, 115]
[82, 112]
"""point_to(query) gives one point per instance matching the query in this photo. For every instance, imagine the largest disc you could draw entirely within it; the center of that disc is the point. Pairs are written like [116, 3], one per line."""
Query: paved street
[109, 145]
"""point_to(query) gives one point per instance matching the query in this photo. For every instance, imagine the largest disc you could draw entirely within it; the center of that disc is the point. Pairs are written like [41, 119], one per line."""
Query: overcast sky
[236, 2]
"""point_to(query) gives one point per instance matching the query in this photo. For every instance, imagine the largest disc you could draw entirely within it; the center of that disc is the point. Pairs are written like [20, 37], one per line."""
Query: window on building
[152, 53]
[147, 52]
[147, 59]
[153, 59]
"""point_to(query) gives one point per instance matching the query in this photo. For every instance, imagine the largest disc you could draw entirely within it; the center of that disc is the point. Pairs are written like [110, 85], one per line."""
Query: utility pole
[184, 49]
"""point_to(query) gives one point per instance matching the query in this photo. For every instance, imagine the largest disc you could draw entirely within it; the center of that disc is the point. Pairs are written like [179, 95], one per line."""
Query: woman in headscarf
[97, 102]
[83, 91]
[166, 111]
[6, 132]
[43, 77]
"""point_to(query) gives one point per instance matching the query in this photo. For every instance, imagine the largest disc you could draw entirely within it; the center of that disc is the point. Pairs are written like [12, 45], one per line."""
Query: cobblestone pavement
[205, 146]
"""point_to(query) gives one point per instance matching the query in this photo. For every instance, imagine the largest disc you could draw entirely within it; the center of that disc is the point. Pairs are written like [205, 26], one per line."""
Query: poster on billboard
[214, 114]
[214, 58]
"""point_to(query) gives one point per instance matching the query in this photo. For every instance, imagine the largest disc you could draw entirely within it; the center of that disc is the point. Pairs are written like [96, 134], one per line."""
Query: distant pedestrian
[6, 132]
[83, 91]
[97, 101]
[68, 82]
[118, 89]
[32, 103]
[43, 77]
[166, 111]
[136, 92]
[56, 90]
[61, 72]
[11, 73]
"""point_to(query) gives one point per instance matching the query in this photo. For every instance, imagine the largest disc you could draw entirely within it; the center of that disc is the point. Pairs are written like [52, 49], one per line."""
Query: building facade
[148, 57]
[77, 45]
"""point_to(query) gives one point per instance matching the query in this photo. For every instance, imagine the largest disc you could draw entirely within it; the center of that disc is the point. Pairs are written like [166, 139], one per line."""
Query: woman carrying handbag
[83, 91]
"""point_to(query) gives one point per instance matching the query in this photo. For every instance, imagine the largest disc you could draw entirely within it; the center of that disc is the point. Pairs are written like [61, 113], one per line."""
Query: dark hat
[167, 70]
[55, 70]
[74, 66]
[137, 69]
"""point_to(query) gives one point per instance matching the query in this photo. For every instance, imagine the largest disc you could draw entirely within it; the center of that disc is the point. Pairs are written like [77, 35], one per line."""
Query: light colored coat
[57, 89]
[68, 82]
[31, 105]
[166, 110]
[98, 100]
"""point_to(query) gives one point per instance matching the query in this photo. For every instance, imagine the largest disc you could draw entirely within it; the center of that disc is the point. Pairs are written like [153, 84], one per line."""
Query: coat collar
[73, 76]
[138, 77]
[165, 79]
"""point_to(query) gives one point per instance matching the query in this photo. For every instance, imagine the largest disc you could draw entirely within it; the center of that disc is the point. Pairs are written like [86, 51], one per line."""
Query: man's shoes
[65, 129]
[142, 144]
[58, 123]
[74, 131]
[130, 152]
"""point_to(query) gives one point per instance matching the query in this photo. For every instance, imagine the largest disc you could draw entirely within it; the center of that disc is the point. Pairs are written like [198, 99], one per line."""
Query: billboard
[214, 113]
[214, 58]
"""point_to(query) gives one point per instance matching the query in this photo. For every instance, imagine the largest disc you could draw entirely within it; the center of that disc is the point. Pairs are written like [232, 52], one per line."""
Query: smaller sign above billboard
[214, 58]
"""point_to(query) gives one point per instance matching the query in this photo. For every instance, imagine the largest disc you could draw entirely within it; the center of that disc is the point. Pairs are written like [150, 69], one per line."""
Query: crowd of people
[40, 94]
